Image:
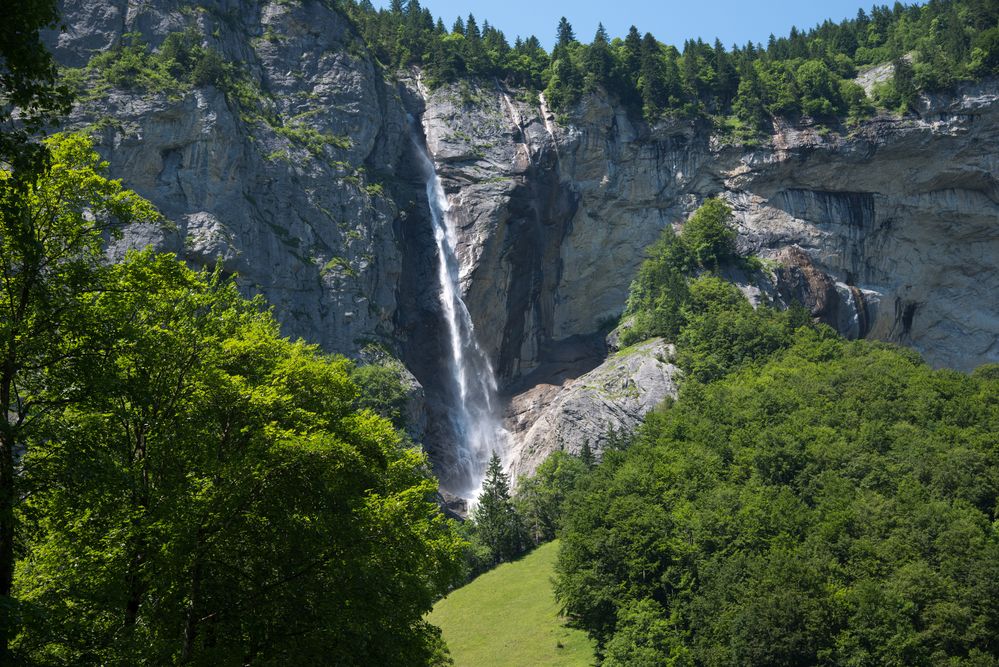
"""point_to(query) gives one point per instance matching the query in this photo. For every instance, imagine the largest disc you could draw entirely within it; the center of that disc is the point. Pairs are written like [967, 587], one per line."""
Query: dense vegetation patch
[181, 62]
[192, 487]
[186, 61]
[678, 295]
[933, 46]
[835, 506]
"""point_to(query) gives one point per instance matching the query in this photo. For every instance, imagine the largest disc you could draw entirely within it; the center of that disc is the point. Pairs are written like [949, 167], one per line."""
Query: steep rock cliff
[287, 191]
[310, 194]
[894, 222]
[888, 231]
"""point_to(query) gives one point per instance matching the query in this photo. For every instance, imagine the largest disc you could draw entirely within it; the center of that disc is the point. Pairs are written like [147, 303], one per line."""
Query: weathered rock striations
[614, 396]
[887, 232]
[897, 216]
[287, 192]
[310, 195]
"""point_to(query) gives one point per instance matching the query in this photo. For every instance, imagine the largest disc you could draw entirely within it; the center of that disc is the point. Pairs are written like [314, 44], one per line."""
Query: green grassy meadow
[508, 617]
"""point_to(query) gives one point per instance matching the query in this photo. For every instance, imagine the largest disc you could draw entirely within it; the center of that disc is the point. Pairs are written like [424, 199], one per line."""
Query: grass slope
[508, 617]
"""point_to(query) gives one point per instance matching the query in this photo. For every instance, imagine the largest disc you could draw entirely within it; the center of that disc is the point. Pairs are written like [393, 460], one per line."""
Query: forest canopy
[836, 505]
[193, 487]
[933, 46]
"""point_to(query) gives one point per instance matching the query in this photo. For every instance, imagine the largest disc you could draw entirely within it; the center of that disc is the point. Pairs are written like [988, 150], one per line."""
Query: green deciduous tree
[52, 229]
[819, 89]
[30, 100]
[220, 494]
[659, 291]
[834, 505]
[540, 498]
[28, 84]
[723, 331]
[708, 234]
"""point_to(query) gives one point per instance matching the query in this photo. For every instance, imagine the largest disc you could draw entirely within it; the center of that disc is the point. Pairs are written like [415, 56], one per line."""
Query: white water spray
[474, 415]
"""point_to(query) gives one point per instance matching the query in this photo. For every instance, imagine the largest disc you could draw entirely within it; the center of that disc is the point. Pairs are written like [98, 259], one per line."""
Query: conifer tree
[472, 29]
[586, 455]
[905, 85]
[652, 81]
[498, 525]
[749, 104]
[598, 59]
[633, 54]
[565, 34]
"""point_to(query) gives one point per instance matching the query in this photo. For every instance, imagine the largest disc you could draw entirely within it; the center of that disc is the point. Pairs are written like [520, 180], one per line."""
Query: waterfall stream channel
[474, 415]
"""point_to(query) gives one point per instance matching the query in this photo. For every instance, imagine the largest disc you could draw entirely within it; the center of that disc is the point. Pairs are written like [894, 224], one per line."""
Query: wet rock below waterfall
[617, 394]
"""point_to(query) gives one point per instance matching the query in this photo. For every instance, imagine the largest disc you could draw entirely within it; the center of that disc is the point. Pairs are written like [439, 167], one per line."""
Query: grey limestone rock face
[615, 395]
[309, 194]
[889, 231]
[308, 225]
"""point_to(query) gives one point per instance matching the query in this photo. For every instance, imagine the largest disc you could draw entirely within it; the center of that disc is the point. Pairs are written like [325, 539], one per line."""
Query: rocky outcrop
[887, 231]
[614, 396]
[292, 191]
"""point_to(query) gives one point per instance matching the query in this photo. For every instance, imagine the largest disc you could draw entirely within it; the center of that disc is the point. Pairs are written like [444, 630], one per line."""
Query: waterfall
[474, 414]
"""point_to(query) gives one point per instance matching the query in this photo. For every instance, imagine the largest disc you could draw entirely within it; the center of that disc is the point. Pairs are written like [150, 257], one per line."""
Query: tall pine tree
[498, 525]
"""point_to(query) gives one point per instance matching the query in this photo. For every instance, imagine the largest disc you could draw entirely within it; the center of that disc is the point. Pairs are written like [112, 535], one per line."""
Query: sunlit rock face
[313, 196]
[284, 190]
[887, 232]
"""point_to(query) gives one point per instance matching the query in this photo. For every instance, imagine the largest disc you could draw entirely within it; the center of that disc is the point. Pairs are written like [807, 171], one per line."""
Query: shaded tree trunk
[8, 441]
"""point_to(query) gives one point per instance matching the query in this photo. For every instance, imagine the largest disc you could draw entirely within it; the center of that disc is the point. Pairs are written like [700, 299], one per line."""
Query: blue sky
[672, 21]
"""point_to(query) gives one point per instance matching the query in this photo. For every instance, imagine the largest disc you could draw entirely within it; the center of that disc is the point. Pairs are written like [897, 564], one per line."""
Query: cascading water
[474, 415]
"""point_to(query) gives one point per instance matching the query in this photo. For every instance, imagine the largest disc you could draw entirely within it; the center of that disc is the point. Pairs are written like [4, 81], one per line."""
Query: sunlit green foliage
[219, 494]
[180, 62]
[834, 506]
[659, 298]
[540, 497]
[31, 100]
[722, 331]
[193, 487]
[806, 72]
[53, 226]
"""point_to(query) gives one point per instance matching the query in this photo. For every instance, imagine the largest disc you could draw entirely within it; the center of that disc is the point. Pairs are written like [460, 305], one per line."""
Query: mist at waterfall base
[474, 415]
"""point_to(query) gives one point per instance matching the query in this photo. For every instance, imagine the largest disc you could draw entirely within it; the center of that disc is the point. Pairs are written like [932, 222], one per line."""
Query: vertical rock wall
[310, 195]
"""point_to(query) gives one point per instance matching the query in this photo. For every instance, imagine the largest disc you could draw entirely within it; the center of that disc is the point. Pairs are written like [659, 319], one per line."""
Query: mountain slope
[296, 168]
[508, 618]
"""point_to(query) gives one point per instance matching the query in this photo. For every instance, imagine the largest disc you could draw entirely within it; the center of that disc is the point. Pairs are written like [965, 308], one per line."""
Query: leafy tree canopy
[802, 73]
[835, 506]
[192, 487]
